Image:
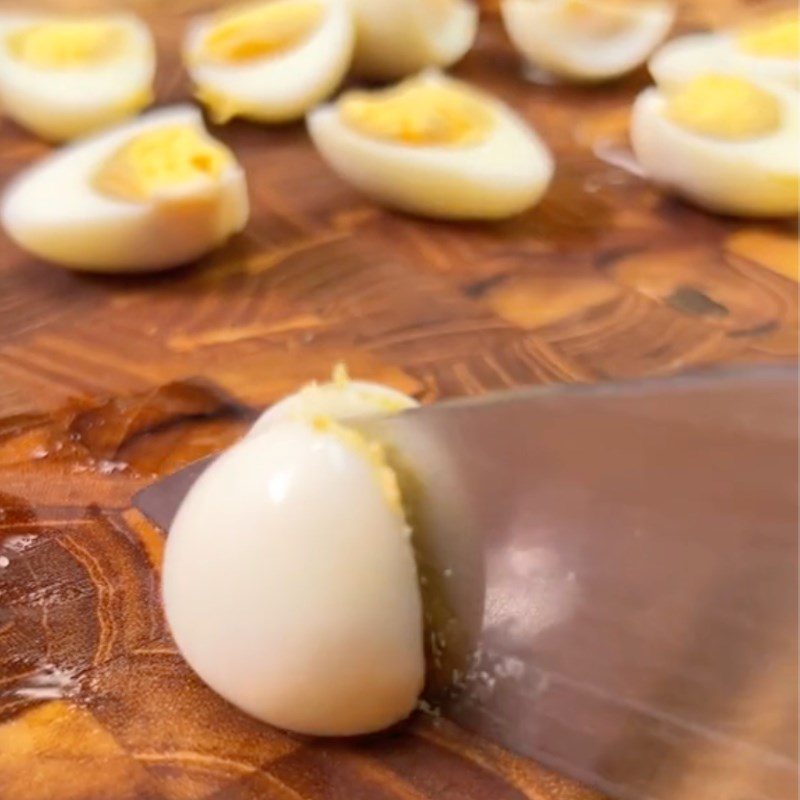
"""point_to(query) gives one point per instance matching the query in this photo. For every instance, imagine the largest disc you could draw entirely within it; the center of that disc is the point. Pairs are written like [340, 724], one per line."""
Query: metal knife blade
[611, 576]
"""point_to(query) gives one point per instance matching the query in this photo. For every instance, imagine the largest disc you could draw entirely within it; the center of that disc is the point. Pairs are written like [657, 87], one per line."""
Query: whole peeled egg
[269, 60]
[725, 142]
[587, 40]
[65, 76]
[767, 48]
[398, 38]
[149, 194]
[434, 146]
[289, 579]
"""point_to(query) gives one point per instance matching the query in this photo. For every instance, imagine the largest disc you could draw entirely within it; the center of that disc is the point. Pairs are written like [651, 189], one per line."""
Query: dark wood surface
[106, 383]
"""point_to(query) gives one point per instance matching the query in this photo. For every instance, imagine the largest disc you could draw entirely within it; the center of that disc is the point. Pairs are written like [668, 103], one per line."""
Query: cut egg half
[725, 142]
[436, 147]
[767, 48]
[587, 40]
[65, 76]
[149, 194]
[289, 579]
[269, 61]
[398, 38]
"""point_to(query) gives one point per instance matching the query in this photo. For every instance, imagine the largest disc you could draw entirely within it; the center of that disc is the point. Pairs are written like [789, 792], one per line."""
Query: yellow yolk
[419, 114]
[598, 18]
[778, 37]
[160, 160]
[65, 44]
[260, 31]
[374, 454]
[725, 107]
[388, 405]
[340, 376]
[222, 107]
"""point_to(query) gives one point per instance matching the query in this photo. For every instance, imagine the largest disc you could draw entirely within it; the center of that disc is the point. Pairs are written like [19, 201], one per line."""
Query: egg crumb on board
[766, 48]
[587, 40]
[398, 38]
[65, 76]
[725, 142]
[289, 579]
[269, 61]
[434, 146]
[149, 194]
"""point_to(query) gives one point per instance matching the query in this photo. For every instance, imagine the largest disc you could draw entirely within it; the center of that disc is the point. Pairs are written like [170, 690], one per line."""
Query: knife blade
[610, 576]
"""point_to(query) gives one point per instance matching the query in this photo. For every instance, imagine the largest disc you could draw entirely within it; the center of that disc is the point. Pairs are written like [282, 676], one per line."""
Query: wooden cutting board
[107, 383]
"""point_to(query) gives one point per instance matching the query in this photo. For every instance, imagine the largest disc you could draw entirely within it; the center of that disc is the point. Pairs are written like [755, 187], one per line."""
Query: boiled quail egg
[64, 76]
[397, 38]
[289, 579]
[766, 49]
[434, 146]
[728, 143]
[269, 61]
[586, 40]
[146, 195]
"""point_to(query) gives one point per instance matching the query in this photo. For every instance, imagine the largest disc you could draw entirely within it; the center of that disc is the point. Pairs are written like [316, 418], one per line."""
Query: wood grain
[107, 383]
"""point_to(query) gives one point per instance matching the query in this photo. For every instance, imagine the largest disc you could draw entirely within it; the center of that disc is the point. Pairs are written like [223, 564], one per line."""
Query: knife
[610, 575]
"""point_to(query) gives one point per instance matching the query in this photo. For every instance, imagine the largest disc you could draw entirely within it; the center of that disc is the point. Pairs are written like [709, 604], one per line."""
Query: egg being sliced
[269, 61]
[434, 146]
[397, 38]
[725, 142]
[146, 195]
[766, 49]
[587, 40]
[64, 76]
[340, 399]
[290, 585]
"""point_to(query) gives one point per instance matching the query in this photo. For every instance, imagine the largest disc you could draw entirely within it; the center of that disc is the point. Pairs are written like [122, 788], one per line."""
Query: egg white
[397, 38]
[336, 400]
[53, 211]
[505, 174]
[283, 86]
[540, 33]
[756, 177]
[290, 586]
[681, 59]
[61, 104]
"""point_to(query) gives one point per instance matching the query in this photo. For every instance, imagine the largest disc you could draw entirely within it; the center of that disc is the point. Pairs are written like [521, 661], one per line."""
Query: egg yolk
[260, 31]
[778, 37]
[69, 43]
[340, 376]
[597, 18]
[725, 107]
[161, 160]
[374, 454]
[419, 114]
